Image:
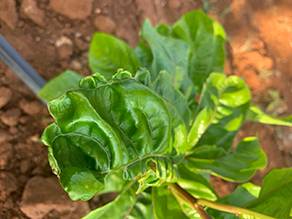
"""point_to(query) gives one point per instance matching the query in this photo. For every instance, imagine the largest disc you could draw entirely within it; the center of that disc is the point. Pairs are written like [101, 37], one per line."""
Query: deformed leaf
[59, 85]
[256, 115]
[223, 105]
[275, 196]
[103, 127]
[107, 54]
[236, 166]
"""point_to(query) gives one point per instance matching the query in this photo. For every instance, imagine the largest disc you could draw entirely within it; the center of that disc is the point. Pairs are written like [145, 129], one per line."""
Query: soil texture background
[54, 35]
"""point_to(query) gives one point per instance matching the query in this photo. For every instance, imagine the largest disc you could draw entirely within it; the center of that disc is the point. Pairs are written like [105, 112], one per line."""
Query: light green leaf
[195, 183]
[256, 115]
[59, 85]
[275, 196]
[165, 204]
[236, 166]
[103, 127]
[107, 54]
[205, 38]
[222, 109]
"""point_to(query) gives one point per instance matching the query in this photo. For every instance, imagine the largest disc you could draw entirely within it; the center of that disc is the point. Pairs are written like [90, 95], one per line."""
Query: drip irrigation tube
[20, 67]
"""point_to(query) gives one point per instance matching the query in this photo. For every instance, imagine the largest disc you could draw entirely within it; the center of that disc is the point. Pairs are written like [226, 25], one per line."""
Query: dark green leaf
[222, 109]
[236, 166]
[59, 85]
[165, 204]
[275, 196]
[107, 54]
[256, 115]
[205, 38]
[103, 127]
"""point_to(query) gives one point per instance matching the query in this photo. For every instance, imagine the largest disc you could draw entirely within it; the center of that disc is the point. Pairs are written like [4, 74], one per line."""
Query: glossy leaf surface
[275, 196]
[59, 85]
[107, 54]
[223, 105]
[236, 166]
[205, 39]
[103, 127]
[165, 204]
[256, 115]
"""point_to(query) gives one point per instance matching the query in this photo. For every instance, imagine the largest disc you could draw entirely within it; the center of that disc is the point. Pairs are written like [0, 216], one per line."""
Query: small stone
[10, 117]
[6, 153]
[24, 166]
[5, 96]
[30, 108]
[31, 11]
[73, 9]
[104, 24]
[42, 195]
[75, 65]
[97, 11]
[65, 47]
[80, 44]
[174, 4]
[8, 13]
[4, 136]
[8, 184]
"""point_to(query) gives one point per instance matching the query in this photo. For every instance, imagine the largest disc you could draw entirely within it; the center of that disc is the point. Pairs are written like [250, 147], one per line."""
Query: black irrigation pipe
[20, 67]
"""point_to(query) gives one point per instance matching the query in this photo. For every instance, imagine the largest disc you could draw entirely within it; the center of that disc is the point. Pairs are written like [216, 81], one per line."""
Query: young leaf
[59, 85]
[256, 115]
[103, 127]
[167, 53]
[165, 204]
[107, 54]
[205, 38]
[236, 166]
[275, 196]
[222, 109]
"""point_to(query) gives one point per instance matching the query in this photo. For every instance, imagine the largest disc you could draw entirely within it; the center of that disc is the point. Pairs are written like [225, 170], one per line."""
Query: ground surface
[53, 35]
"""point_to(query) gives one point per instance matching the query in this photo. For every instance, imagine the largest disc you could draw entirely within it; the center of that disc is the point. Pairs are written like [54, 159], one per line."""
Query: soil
[52, 39]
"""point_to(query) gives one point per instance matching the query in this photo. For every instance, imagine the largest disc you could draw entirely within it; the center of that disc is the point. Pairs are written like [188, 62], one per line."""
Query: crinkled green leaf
[223, 105]
[165, 53]
[239, 197]
[195, 183]
[113, 183]
[256, 115]
[107, 54]
[59, 85]
[236, 166]
[205, 38]
[103, 127]
[275, 196]
[165, 204]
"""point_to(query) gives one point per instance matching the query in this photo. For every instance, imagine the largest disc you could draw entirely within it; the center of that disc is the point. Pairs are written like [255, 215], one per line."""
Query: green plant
[146, 137]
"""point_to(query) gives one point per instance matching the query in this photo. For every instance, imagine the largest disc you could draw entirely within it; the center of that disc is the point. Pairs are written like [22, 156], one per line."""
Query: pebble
[31, 11]
[10, 117]
[42, 195]
[8, 184]
[5, 96]
[73, 9]
[8, 13]
[104, 24]
[80, 44]
[6, 153]
[4, 136]
[65, 47]
[30, 108]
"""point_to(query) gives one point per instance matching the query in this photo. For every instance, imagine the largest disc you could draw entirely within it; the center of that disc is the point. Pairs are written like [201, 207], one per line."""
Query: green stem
[231, 209]
[197, 203]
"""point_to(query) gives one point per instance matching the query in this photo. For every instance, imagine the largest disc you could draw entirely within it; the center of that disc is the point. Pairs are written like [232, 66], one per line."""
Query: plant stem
[231, 209]
[196, 203]
[190, 199]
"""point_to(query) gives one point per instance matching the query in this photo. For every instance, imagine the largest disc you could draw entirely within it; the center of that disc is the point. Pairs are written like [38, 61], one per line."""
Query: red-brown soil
[53, 37]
